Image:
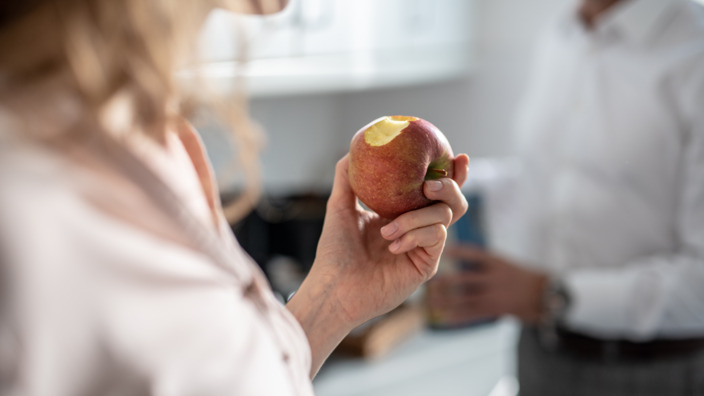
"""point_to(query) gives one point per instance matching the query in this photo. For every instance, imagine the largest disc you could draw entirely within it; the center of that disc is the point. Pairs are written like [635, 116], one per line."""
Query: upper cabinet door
[338, 45]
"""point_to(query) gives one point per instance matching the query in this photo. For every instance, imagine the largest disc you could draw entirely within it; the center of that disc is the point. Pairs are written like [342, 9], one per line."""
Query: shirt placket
[558, 255]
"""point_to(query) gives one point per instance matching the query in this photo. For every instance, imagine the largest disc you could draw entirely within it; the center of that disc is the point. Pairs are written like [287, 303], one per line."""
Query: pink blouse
[120, 276]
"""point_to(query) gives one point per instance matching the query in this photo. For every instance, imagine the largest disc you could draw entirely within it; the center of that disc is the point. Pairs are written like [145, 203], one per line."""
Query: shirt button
[250, 289]
[286, 357]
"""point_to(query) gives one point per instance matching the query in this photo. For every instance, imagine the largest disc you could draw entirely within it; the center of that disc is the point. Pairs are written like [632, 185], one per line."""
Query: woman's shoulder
[71, 202]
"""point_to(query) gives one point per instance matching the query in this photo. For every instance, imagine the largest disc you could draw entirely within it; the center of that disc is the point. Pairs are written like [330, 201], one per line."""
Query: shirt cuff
[613, 303]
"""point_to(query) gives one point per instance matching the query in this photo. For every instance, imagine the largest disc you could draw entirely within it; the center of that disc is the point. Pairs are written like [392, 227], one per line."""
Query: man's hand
[495, 287]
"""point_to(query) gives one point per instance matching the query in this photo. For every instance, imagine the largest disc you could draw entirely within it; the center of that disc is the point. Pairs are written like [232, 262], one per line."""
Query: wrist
[556, 301]
[533, 303]
[322, 320]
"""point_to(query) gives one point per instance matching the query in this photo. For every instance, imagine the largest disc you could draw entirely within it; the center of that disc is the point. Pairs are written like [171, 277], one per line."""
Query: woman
[120, 274]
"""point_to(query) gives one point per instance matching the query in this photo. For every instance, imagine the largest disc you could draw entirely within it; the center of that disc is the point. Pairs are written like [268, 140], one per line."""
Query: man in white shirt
[609, 224]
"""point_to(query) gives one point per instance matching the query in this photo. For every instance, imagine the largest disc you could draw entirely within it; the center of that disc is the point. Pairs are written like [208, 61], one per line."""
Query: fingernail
[389, 229]
[434, 185]
[395, 245]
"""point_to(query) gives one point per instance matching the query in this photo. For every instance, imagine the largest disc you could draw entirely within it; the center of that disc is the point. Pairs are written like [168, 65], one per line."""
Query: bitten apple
[391, 157]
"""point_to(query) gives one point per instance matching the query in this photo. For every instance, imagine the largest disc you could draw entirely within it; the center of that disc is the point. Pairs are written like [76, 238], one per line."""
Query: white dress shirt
[611, 136]
[120, 276]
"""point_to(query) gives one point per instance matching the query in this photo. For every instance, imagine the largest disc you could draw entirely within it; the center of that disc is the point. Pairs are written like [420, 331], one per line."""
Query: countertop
[478, 360]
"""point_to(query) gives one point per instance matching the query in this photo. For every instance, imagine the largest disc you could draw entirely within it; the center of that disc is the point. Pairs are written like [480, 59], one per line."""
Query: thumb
[342, 194]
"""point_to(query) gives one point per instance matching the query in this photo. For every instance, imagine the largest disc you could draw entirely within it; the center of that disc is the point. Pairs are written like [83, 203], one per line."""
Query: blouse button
[250, 289]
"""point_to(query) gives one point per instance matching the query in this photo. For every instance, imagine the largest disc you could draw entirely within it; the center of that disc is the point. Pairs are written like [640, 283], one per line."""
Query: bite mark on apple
[385, 129]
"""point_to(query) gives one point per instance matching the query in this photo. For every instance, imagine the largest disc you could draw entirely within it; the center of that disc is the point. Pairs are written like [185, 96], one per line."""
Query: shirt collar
[633, 20]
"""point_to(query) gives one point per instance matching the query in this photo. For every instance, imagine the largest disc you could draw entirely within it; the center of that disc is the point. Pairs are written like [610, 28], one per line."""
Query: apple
[391, 157]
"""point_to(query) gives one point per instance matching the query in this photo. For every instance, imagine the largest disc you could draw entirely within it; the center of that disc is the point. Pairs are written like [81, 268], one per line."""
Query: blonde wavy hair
[103, 48]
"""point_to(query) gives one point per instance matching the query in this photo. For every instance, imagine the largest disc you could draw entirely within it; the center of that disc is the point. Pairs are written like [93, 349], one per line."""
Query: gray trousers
[543, 372]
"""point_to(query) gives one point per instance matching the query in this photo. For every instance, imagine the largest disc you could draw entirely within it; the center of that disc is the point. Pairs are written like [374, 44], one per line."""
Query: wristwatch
[555, 305]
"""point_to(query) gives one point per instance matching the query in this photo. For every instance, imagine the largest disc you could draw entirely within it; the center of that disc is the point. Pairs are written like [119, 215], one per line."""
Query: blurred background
[321, 70]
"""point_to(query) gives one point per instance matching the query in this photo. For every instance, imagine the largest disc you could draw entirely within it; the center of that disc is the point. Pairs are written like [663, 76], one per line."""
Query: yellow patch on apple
[385, 129]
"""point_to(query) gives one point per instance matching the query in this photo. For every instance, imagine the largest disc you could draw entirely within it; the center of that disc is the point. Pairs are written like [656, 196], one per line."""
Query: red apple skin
[388, 179]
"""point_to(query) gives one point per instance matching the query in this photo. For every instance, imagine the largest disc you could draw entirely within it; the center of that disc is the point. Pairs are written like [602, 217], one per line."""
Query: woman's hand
[365, 265]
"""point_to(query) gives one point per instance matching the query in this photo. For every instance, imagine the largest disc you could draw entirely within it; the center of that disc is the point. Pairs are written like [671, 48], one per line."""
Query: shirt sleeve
[661, 295]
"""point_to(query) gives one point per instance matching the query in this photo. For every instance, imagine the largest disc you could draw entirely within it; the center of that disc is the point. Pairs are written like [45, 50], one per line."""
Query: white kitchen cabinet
[318, 46]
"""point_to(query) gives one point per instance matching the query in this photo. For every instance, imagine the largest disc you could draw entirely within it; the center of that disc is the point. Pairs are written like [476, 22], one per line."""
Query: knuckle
[405, 223]
[440, 232]
[408, 240]
[428, 270]
[447, 215]
[432, 271]
[463, 206]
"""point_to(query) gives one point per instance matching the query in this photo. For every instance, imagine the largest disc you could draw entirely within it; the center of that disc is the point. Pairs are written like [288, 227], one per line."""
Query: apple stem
[440, 172]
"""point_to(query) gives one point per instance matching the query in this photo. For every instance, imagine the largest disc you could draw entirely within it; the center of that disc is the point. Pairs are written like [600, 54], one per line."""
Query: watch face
[558, 301]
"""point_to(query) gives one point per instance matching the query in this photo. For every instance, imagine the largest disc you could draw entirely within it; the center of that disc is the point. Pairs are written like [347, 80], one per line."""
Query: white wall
[308, 133]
